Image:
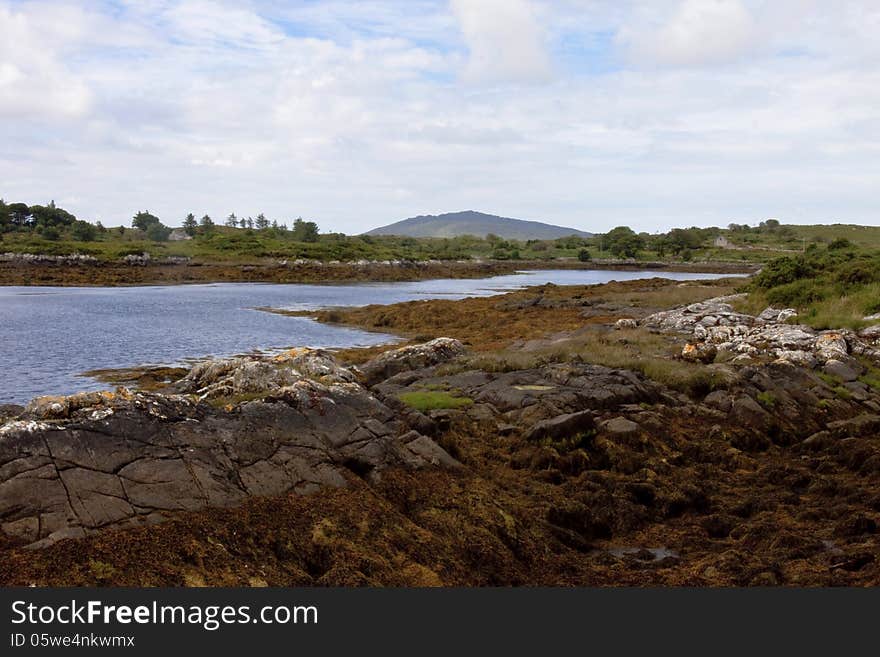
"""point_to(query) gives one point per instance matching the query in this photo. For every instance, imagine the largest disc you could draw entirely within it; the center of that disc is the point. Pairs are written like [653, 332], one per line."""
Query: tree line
[54, 223]
[48, 221]
[154, 229]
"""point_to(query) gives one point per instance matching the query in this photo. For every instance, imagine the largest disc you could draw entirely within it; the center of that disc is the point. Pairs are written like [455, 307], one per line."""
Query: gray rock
[831, 344]
[719, 400]
[561, 426]
[748, 413]
[75, 465]
[434, 352]
[9, 411]
[619, 426]
[841, 370]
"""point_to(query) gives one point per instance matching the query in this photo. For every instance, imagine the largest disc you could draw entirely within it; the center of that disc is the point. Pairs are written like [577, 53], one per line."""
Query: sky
[354, 114]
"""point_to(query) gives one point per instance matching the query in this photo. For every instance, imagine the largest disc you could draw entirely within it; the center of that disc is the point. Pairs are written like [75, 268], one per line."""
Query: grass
[651, 354]
[429, 400]
[871, 377]
[831, 288]
[580, 440]
[766, 399]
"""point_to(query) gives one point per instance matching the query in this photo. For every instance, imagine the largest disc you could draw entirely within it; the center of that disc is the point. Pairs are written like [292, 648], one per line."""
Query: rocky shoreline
[87, 271]
[448, 463]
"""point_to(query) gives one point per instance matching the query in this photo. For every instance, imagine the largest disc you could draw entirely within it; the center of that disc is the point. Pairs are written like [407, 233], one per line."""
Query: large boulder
[256, 374]
[414, 357]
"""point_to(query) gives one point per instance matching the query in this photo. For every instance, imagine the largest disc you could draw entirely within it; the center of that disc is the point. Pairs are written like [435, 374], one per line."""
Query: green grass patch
[430, 400]
[766, 399]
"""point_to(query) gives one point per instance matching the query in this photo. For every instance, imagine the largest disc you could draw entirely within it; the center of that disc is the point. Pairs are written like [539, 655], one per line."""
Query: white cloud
[360, 113]
[33, 78]
[219, 23]
[505, 40]
[697, 33]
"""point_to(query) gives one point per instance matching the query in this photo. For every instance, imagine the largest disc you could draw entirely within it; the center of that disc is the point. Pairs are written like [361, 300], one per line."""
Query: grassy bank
[831, 288]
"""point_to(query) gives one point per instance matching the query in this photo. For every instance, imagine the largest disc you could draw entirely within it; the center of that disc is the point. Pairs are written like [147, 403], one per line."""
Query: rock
[431, 452]
[561, 426]
[861, 425]
[831, 344]
[619, 426]
[256, 374]
[700, 353]
[720, 400]
[776, 315]
[9, 411]
[79, 464]
[818, 440]
[841, 370]
[870, 334]
[748, 413]
[434, 352]
[626, 323]
[796, 357]
[743, 339]
[712, 312]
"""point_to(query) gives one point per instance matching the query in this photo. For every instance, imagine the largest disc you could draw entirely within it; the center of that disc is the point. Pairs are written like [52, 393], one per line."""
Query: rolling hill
[470, 222]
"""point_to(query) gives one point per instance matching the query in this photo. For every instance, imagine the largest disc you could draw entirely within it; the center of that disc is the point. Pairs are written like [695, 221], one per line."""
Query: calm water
[50, 335]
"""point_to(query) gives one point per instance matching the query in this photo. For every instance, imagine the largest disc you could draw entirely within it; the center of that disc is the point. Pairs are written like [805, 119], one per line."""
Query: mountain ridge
[472, 222]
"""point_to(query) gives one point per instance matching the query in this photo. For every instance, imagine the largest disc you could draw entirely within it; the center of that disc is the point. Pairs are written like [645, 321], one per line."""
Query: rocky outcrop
[41, 259]
[254, 374]
[716, 330]
[384, 366]
[73, 465]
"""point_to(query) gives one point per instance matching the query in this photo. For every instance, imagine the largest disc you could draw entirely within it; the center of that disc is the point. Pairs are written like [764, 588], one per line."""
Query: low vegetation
[432, 400]
[833, 287]
[51, 230]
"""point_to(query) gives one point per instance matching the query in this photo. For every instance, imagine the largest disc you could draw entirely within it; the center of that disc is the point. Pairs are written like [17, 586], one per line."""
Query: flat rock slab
[132, 459]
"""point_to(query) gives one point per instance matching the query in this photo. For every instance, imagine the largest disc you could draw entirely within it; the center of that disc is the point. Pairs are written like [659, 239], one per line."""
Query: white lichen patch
[100, 414]
[24, 426]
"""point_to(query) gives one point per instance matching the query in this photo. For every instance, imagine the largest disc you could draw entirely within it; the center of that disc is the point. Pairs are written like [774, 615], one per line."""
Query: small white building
[722, 242]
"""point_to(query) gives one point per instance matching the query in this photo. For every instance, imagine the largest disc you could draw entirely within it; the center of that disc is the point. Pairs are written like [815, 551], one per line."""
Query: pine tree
[190, 225]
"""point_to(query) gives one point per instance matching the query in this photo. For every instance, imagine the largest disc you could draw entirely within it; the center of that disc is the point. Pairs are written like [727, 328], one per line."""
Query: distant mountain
[470, 222]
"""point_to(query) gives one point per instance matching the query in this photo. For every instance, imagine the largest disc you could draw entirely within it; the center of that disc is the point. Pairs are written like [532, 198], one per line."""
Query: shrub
[798, 293]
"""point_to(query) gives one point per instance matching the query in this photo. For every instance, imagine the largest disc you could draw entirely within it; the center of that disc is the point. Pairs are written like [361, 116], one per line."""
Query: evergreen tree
[206, 224]
[190, 225]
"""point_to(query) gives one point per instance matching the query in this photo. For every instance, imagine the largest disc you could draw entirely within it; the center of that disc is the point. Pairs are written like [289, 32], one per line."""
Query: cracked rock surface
[72, 465]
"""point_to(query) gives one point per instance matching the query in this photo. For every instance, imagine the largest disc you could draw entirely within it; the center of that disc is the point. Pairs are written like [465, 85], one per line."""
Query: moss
[871, 377]
[766, 399]
[234, 400]
[842, 393]
[431, 400]
[581, 440]
[830, 380]
[101, 570]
